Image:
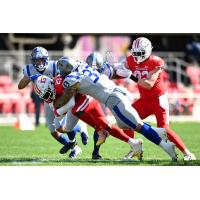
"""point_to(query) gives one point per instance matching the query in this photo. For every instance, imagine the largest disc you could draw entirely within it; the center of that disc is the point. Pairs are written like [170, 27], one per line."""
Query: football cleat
[84, 138]
[96, 157]
[189, 157]
[102, 137]
[67, 147]
[136, 151]
[75, 152]
[170, 150]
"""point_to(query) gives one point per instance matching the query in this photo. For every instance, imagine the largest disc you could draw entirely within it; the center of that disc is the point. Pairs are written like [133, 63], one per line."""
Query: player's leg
[127, 116]
[96, 148]
[68, 127]
[81, 127]
[102, 124]
[49, 116]
[161, 111]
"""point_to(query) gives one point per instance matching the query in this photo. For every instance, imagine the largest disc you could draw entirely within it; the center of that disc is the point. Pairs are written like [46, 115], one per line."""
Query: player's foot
[75, 152]
[189, 156]
[96, 156]
[67, 147]
[84, 138]
[102, 137]
[170, 150]
[136, 150]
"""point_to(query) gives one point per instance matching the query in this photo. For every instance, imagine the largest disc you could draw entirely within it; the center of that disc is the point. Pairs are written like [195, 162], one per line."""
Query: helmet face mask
[39, 58]
[141, 49]
[66, 66]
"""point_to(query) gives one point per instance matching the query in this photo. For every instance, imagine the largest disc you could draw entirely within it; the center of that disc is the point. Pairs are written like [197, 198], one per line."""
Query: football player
[40, 64]
[79, 77]
[146, 70]
[83, 107]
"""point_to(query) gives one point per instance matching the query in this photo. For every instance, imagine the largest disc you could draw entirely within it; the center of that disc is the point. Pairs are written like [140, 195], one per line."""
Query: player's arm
[23, 82]
[68, 93]
[149, 82]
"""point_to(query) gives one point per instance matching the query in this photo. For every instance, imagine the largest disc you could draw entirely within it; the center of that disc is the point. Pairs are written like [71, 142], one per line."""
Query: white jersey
[92, 83]
[51, 70]
[109, 71]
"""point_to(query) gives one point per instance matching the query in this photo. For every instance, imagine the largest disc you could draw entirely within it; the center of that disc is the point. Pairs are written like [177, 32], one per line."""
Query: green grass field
[38, 148]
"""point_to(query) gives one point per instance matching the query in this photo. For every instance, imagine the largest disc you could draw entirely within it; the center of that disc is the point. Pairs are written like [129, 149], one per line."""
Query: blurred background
[181, 53]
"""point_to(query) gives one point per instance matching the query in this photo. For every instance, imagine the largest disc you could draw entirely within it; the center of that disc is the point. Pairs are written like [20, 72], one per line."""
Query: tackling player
[79, 77]
[83, 107]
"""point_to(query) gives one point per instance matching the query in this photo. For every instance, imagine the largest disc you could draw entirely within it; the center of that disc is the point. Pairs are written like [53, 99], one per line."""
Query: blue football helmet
[95, 60]
[66, 65]
[40, 58]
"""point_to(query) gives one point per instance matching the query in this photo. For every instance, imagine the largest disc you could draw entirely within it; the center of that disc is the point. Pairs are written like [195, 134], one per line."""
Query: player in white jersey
[86, 80]
[41, 65]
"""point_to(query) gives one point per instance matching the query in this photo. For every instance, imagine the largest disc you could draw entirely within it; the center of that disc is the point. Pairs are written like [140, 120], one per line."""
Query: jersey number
[141, 75]
[89, 72]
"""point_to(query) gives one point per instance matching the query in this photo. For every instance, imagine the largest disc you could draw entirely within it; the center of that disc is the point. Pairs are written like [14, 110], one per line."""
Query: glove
[34, 77]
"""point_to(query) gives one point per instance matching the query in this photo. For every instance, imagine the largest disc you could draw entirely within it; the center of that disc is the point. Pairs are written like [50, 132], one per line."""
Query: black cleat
[96, 157]
[67, 147]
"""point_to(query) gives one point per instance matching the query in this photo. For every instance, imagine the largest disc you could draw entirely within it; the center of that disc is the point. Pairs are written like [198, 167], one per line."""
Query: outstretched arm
[68, 93]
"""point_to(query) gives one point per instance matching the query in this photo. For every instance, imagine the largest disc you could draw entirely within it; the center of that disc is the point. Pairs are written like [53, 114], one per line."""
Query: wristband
[134, 78]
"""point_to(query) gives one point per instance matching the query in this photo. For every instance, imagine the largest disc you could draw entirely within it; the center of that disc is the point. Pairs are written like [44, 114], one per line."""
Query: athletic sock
[118, 133]
[71, 136]
[150, 134]
[130, 133]
[173, 137]
[63, 139]
[95, 138]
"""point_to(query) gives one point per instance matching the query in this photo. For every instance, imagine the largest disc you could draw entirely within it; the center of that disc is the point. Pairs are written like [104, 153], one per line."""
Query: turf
[38, 148]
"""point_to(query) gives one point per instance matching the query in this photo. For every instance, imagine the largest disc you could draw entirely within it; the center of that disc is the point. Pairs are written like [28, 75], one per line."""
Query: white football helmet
[40, 57]
[44, 88]
[141, 49]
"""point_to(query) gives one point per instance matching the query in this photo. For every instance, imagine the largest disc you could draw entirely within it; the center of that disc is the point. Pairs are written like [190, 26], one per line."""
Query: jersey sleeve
[71, 79]
[26, 71]
[158, 62]
[107, 70]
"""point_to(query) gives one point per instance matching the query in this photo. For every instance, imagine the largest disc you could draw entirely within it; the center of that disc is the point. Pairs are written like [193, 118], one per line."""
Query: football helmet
[141, 49]
[44, 88]
[40, 57]
[66, 65]
[95, 60]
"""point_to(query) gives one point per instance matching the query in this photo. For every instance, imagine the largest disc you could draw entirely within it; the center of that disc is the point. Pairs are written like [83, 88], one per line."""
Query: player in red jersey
[146, 70]
[86, 108]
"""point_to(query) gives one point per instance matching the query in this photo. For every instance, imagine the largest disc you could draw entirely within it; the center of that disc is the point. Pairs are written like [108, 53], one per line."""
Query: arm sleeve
[71, 80]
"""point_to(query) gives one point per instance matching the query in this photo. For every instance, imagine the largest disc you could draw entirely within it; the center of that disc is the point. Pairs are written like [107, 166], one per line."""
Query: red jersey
[142, 70]
[58, 85]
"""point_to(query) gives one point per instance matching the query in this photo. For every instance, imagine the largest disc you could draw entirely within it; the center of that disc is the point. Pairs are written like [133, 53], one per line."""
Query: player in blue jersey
[40, 64]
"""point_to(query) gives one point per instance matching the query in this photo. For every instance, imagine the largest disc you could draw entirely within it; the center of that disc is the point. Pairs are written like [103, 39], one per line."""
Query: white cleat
[136, 150]
[170, 150]
[189, 157]
[75, 152]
